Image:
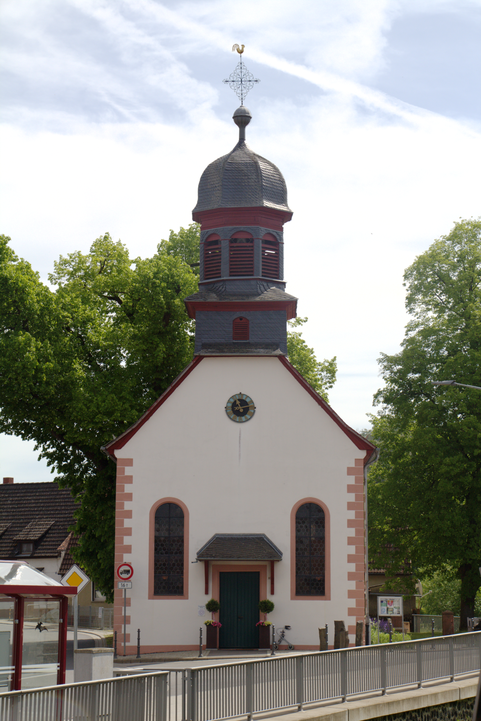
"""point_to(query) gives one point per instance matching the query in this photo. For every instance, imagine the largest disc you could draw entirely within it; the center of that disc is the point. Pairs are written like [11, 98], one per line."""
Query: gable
[218, 374]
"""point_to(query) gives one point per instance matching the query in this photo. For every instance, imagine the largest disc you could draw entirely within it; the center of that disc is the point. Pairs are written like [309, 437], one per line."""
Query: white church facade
[240, 483]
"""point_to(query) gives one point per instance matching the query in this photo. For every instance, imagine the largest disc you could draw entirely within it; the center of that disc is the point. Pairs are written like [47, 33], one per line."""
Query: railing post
[419, 664]
[187, 694]
[273, 653]
[249, 691]
[193, 696]
[343, 674]
[300, 682]
[138, 643]
[115, 644]
[383, 651]
[451, 657]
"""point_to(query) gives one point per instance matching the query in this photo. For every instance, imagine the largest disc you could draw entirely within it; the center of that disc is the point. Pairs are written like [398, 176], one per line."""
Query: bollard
[115, 644]
[200, 642]
[273, 653]
[138, 643]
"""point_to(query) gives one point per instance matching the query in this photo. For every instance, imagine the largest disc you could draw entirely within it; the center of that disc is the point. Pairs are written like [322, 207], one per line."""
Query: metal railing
[249, 687]
[92, 617]
[295, 681]
[423, 623]
[130, 698]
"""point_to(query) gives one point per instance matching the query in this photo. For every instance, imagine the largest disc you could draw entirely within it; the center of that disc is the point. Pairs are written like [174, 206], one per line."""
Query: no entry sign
[125, 571]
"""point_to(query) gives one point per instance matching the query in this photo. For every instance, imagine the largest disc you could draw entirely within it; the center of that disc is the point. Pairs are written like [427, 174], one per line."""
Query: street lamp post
[455, 383]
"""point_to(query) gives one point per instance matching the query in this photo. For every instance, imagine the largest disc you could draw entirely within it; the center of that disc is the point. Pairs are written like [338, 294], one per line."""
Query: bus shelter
[33, 628]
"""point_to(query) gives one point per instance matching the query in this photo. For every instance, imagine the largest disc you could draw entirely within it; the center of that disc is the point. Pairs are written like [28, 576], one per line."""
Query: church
[240, 483]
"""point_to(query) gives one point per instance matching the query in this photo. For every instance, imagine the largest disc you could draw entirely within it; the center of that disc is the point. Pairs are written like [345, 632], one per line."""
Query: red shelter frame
[20, 594]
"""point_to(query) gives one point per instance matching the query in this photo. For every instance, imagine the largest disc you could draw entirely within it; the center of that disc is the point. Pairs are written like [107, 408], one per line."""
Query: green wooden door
[239, 612]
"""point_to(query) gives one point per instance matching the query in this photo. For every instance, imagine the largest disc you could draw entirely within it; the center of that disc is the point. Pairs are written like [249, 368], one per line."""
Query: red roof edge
[8, 589]
[359, 441]
[121, 440]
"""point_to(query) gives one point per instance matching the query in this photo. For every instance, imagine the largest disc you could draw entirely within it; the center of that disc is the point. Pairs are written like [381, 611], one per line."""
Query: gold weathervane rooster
[239, 48]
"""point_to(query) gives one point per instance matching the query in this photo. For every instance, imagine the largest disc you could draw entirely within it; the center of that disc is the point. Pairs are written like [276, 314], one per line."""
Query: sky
[371, 109]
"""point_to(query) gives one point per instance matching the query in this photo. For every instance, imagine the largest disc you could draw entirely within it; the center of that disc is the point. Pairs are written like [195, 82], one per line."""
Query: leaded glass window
[169, 551]
[310, 550]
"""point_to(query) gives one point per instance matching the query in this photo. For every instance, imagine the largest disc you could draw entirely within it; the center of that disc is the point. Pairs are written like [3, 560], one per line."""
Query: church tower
[240, 483]
[241, 306]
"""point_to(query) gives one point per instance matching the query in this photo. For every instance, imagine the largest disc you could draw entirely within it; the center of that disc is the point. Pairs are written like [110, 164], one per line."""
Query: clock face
[240, 408]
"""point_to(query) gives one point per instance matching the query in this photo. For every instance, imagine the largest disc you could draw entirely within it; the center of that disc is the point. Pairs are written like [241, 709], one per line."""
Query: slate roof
[35, 512]
[239, 547]
[221, 296]
[241, 179]
[244, 348]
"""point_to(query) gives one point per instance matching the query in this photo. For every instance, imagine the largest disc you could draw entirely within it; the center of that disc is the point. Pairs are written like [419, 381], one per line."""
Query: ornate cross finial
[241, 80]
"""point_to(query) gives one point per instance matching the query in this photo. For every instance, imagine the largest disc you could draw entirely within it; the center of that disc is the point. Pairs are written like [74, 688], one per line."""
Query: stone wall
[456, 711]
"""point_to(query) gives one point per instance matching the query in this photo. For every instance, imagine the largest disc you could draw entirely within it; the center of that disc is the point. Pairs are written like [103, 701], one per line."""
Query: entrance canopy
[33, 627]
[239, 547]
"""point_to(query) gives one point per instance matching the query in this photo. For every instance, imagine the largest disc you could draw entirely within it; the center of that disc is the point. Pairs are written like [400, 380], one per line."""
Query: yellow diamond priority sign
[75, 577]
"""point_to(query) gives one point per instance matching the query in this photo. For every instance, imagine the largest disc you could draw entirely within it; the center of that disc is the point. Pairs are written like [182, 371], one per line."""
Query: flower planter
[264, 636]
[212, 637]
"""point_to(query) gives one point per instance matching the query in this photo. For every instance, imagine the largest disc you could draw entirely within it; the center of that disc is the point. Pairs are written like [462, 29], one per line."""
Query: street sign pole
[125, 616]
[75, 622]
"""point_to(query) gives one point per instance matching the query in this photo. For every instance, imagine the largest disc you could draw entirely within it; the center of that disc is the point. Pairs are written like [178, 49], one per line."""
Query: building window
[169, 550]
[212, 257]
[241, 254]
[310, 550]
[25, 548]
[240, 329]
[270, 256]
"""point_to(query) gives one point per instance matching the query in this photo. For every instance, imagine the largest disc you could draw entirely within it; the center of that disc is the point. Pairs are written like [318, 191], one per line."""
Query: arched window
[212, 257]
[241, 254]
[270, 256]
[169, 550]
[240, 329]
[310, 533]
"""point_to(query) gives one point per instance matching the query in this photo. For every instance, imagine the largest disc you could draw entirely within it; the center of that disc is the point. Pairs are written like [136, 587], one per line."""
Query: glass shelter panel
[40, 643]
[7, 615]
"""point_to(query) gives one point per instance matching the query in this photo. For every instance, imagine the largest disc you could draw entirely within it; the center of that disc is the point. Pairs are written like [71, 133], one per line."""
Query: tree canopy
[425, 490]
[81, 361]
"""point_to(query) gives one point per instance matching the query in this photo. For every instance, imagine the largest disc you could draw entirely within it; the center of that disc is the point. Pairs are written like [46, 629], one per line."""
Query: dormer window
[270, 256]
[240, 329]
[212, 257]
[25, 548]
[241, 254]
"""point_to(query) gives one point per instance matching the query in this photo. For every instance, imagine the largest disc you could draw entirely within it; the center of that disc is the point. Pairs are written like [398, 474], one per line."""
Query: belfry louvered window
[240, 329]
[310, 550]
[270, 256]
[241, 254]
[169, 550]
[212, 257]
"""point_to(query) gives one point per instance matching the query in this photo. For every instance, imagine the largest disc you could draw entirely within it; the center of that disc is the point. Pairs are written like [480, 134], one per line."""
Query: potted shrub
[265, 606]
[212, 626]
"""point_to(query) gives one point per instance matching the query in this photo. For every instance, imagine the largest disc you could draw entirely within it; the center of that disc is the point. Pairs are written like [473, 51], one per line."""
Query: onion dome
[241, 179]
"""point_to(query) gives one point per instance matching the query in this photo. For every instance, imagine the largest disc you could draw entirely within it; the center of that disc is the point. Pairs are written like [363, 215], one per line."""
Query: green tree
[321, 375]
[425, 491]
[81, 363]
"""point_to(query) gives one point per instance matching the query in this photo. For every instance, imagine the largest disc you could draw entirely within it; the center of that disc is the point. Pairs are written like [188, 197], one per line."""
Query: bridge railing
[141, 698]
[260, 686]
[207, 693]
